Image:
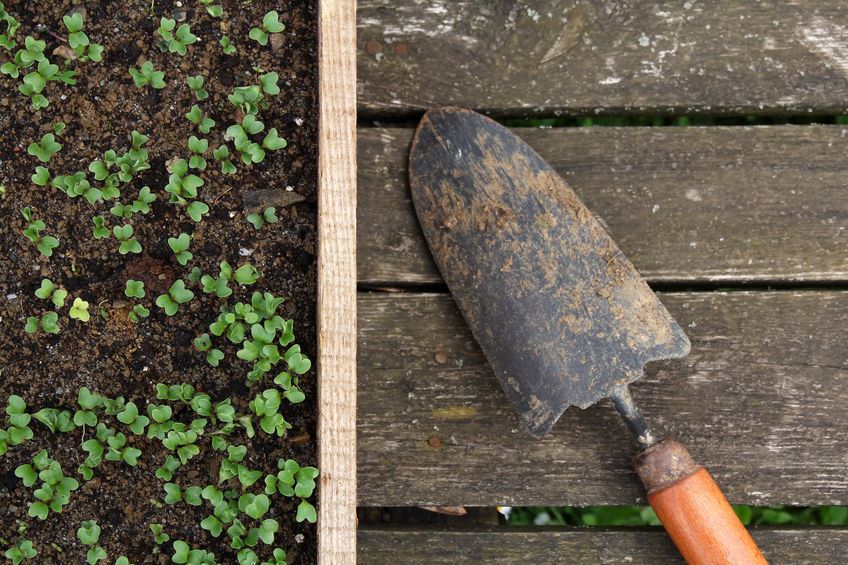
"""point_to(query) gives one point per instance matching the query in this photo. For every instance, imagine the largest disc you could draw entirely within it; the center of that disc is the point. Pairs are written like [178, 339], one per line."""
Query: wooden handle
[693, 509]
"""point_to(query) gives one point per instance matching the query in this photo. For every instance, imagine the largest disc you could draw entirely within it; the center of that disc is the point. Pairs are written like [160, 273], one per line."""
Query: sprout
[196, 210]
[159, 535]
[183, 186]
[273, 142]
[118, 450]
[179, 245]
[306, 511]
[19, 430]
[266, 406]
[214, 10]
[48, 323]
[41, 176]
[48, 290]
[79, 310]
[268, 216]
[222, 154]
[89, 534]
[21, 551]
[131, 418]
[55, 490]
[203, 344]
[177, 294]
[247, 274]
[134, 289]
[227, 45]
[100, 229]
[219, 285]
[147, 75]
[198, 147]
[270, 24]
[79, 41]
[195, 116]
[138, 311]
[196, 86]
[55, 420]
[184, 554]
[254, 505]
[45, 149]
[124, 234]
[87, 402]
[176, 42]
[144, 200]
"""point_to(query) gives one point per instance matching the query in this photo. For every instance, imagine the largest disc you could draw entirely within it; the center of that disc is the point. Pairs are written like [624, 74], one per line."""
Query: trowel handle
[693, 509]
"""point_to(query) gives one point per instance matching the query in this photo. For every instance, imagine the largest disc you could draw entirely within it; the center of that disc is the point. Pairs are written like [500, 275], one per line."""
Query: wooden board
[587, 545]
[337, 282]
[761, 401]
[685, 204]
[550, 57]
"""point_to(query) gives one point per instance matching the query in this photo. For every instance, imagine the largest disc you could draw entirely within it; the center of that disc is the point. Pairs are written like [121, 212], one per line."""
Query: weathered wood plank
[761, 401]
[685, 204]
[592, 545]
[615, 56]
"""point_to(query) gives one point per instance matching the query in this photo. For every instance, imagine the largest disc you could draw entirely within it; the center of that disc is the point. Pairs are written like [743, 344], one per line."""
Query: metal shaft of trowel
[633, 418]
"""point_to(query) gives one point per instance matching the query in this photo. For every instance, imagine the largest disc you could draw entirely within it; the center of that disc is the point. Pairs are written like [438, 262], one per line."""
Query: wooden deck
[744, 230]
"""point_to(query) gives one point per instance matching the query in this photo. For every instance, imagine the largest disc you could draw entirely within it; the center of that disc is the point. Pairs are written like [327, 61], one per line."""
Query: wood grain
[555, 57]
[760, 402]
[684, 204]
[337, 282]
[635, 546]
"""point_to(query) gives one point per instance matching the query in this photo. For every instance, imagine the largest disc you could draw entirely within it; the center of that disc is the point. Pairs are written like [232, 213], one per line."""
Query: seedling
[179, 245]
[166, 471]
[87, 402]
[227, 45]
[222, 155]
[133, 419]
[183, 186]
[138, 311]
[268, 216]
[198, 147]
[175, 41]
[247, 274]
[144, 200]
[46, 148]
[270, 25]
[177, 294]
[35, 81]
[124, 234]
[214, 10]
[134, 289]
[79, 41]
[119, 451]
[55, 420]
[266, 407]
[79, 310]
[196, 86]
[48, 323]
[272, 141]
[19, 430]
[147, 75]
[184, 554]
[100, 229]
[55, 490]
[219, 286]
[195, 116]
[248, 99]
[50, 291]
[41, 176]
[305, 511]
[59, 127]
[89, 534]
[22, 550]
[159, 535]
[213, 356]
[45, 244]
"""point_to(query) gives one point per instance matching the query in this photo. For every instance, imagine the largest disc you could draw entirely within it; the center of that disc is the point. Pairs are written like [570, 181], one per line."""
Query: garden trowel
[560, 313]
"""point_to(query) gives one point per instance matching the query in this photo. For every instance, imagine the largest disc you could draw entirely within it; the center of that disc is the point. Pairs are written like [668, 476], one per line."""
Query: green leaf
[271, 22]
[306, 511]
[196, 210]
[89, 532]
[79, 310]
[134, 289]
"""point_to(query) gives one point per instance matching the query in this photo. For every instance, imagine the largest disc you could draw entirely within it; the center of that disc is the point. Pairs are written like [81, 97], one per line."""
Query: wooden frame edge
[337, 281]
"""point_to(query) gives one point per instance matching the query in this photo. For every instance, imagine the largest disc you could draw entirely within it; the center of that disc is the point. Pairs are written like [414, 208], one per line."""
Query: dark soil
[111, 355]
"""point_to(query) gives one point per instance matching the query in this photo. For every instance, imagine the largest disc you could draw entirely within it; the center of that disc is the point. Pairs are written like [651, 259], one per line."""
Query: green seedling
[50, 291]
[266, 407]
[159, 535]
[214, 10]
[254, 505]
[250, 151]
[175, 41]
[179, 245]
[59, 128]
[35, 81]
[144, 200]
[46, 148]
[273, 142]
[195, 116]
[79, 41]
[177, 294]
[55, 490]
[147, 75]
[87, 402]
[77, 185]
[213, 356]
[122, 560]
[119, 451]
[79, 310]
[166, 471]
[184, 554]
[247, 274]
[227, 45]
[100, 229]
[48, 323]
[133, 419]
[89, 534]
[196, 86]
[19, 430]
[22, 551]
[134, 289]
[268, 83]
[198, 148]
[222, 155]
[124, 234]
[268, 216]
[270, 24]
[305, 511]
[41, 177]
[182, 187]
[55, 420]
[138, 311]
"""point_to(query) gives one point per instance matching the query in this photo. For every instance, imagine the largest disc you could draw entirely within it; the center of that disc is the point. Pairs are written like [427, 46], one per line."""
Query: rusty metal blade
[560, 313]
